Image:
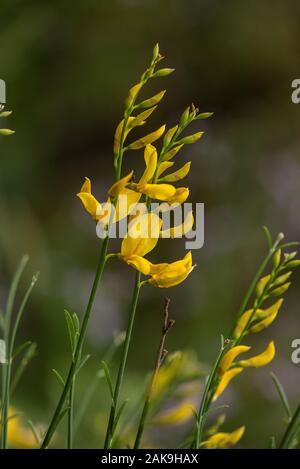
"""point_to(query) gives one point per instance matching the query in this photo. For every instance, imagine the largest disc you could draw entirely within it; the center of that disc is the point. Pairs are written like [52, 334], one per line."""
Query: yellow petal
[230, 356]
[142, 236]
[140, 119]
[152, 101]
[132, 122]
[266, 316]
[87, 186]
[171, 153]
[126, 203]
[225, 380]
[90, 203]
[262, 359]
[264, 323]
[179, 174]
[282, 289]
[264, 313]
[173, 274]
[159, 191]
[140, 263]
[176, 415]
[118, 133]
[180, 196]
[150, 156]
[179, 230]
[242, 323]
[118, 186]
[261, 285]
[133, 92]
[163, 167]
[224, 440]
[150, 138]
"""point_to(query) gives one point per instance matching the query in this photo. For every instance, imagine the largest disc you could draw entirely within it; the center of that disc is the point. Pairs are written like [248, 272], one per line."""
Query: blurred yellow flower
[177, 415]
[226, 373]
[224, 440]
[19, 436]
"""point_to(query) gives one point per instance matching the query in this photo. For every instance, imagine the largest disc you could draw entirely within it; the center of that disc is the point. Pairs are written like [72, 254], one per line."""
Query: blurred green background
[68, 66]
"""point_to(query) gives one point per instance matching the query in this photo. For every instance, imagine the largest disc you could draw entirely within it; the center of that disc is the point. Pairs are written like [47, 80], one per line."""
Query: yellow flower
[262, 359]
[262, 318]
[230, 356]
[225, 380]
[155, 191]
[18, 435]
[170, 275]
[180, 196]
[224, 440]
[117, 188]
[90, 203]
[125, 201]
[226, 372]
[177, 415]
[142, 237]
[161, 191]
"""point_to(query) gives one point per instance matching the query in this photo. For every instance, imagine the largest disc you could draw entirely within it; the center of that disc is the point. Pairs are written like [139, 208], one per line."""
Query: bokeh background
[68, 66]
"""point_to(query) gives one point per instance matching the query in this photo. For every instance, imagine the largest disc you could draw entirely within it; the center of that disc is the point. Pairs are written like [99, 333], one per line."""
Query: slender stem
[159, 358]
[8, 365]
[119, 381]
[290, 431]
[56, 416]
[71, 414]
[205, 402]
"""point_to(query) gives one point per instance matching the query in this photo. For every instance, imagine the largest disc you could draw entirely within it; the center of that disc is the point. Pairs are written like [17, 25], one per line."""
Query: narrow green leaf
[282, 395]
[108, 379]
[76, 322]
[34, 432]
[118, 416]
[204, 115]
[268, 236]
[30, 353]
[21, 348]
[82, 363]
[59, 378]
[71, 329]
[13, 290]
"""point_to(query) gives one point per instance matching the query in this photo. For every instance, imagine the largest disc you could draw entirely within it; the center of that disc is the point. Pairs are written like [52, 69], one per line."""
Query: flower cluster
[125, 194]
[255, 320]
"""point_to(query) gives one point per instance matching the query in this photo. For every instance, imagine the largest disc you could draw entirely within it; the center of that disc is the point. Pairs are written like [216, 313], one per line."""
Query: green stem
[119, 382]
[71, 414]
[10, 348]
[290, 431]
[205, 402]
[57, 413]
